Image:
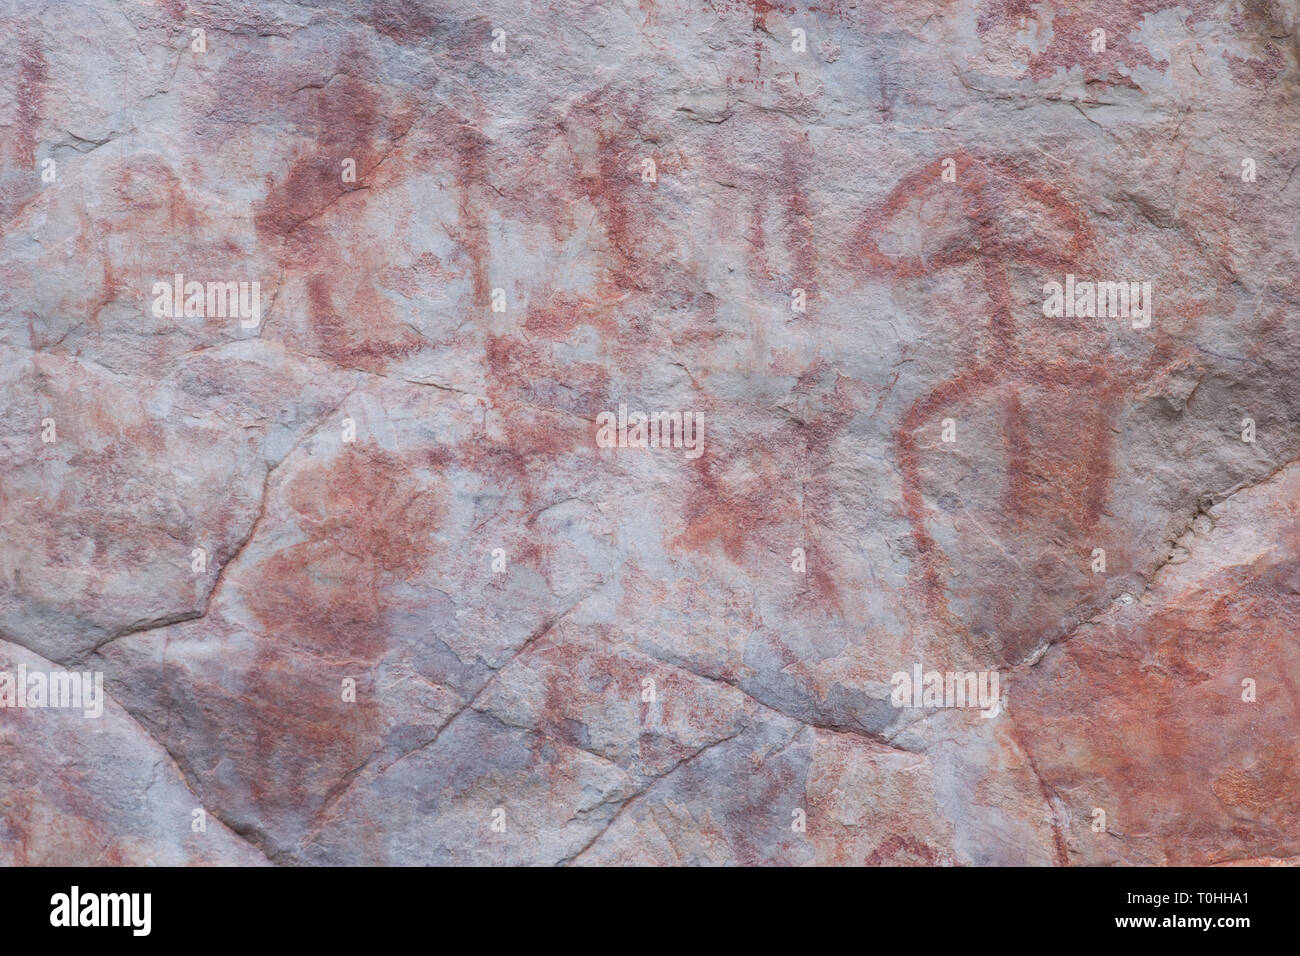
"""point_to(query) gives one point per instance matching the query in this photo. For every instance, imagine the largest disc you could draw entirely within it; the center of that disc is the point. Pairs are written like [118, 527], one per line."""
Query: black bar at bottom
[1221, 906]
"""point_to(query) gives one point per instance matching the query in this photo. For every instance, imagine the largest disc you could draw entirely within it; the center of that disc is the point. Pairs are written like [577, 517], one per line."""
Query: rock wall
[359, 532]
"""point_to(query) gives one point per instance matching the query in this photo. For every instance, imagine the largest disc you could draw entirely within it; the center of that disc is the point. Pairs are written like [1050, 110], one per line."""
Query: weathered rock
[562, 652]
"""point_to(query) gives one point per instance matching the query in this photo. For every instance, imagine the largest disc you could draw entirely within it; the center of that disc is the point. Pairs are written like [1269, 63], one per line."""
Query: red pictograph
[1007, 220]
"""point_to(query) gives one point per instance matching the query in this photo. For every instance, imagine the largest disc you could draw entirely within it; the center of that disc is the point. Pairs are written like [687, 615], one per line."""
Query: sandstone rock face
[362, 577]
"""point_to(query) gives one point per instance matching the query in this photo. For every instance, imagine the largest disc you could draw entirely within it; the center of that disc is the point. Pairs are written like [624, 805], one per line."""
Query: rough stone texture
[476, 430]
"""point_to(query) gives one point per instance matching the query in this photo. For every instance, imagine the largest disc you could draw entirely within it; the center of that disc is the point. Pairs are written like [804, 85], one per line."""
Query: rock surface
[570, 653]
